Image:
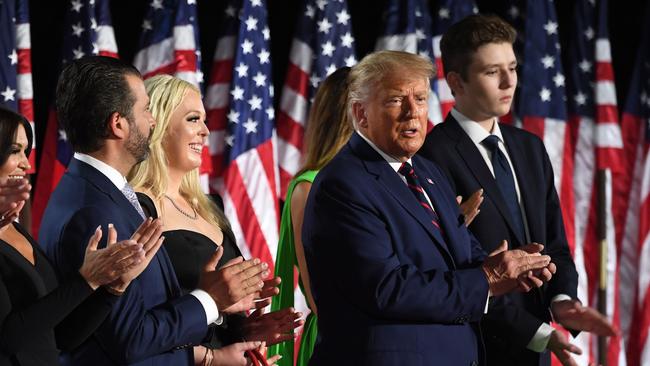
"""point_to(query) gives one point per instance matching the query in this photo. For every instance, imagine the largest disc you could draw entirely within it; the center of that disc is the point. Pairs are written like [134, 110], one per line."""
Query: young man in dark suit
[104, 108]
[520, 203]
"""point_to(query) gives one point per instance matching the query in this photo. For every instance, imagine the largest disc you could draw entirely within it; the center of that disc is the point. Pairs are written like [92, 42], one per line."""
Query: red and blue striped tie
[414, 185]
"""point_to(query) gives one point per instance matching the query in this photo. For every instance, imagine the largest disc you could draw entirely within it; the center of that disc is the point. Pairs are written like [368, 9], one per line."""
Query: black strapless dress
[189, 251]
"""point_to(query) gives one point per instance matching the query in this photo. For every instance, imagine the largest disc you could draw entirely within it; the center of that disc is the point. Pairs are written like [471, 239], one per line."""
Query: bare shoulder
[300, 193]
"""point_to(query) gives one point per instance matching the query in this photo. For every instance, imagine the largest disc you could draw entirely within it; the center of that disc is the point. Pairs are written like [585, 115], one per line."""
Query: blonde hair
[328, 127]
[166, 93]
[372, 69]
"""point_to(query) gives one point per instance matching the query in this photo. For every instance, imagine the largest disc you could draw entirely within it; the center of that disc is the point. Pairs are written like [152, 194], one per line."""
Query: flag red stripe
[250, 225]
[290, 130]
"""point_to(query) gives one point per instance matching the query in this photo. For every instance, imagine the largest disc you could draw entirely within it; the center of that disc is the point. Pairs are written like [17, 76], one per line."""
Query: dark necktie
[505, 182]
[414, 185]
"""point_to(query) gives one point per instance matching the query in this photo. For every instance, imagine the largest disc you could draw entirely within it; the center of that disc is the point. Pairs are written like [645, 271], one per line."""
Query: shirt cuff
[560, 297]
[211, 311]
[541, 338]
[487, 302]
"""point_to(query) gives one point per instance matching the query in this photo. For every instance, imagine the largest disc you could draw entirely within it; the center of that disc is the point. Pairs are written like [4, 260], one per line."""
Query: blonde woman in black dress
[169, 186]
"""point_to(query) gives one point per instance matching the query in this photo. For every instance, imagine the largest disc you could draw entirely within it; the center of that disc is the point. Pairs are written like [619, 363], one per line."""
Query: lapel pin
[429, 180]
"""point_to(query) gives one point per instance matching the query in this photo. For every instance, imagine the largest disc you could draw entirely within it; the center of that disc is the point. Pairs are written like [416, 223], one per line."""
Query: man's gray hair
[372, 69]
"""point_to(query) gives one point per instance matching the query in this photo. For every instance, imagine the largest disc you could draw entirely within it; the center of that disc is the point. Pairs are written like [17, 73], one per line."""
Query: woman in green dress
[328, 129]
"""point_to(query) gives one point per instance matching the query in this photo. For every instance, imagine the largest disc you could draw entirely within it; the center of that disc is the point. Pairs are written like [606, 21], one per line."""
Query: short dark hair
[9, 122]
[89, 91]
[463, 38]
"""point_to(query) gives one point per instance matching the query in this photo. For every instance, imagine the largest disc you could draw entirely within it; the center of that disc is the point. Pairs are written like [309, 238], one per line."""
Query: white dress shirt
[210, 307]
[477, 134]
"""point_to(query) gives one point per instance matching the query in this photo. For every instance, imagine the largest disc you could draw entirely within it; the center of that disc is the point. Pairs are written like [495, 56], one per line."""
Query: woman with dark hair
[39, 316]
[328, 129]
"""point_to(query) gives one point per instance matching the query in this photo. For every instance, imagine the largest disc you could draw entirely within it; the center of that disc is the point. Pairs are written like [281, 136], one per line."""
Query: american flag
[595, 143]
[16, 62]
[407, 27]
[447, 13]
[322, 43]
[169, 44]
[239, 103]
[635, 254]
[87, 31]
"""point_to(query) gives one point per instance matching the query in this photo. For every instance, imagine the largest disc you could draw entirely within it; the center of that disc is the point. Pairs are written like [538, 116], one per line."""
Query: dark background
[47, 18]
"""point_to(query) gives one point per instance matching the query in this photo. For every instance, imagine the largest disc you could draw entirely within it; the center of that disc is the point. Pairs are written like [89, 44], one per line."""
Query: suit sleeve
[18, 325]
[132, 331]
[565, 280]
[345, 231]
[84, 320]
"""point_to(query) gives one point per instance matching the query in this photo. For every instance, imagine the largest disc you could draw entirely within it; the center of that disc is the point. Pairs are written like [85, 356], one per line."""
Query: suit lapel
[99, 180]
[468, 151]
[525, 180]
[390, 180]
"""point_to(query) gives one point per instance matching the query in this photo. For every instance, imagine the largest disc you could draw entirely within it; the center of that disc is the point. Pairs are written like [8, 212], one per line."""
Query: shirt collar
[111, 173]
[475, 132]
[394, 163]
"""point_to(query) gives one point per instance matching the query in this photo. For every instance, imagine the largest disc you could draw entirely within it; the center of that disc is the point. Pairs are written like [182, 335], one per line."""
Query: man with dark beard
[104, 109]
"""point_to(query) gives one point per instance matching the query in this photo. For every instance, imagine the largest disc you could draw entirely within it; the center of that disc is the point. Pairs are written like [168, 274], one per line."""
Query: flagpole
[604, 182]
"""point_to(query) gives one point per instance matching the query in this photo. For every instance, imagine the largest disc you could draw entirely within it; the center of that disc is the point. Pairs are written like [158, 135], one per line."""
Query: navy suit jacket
[151, 323]
[512, 319]
[389, 287]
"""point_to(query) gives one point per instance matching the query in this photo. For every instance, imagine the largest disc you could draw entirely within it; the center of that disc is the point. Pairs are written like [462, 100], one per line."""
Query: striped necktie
[414, 185]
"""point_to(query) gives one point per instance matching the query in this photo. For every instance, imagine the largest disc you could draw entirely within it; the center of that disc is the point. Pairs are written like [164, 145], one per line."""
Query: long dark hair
[9, 122]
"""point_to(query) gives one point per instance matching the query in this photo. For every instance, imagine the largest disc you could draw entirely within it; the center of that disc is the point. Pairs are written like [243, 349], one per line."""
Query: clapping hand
[148, 235]
[470, 208]
[13, 194]
[506, 270]
[572, 315]
[236, 284]
[273, 327]
[103, 266]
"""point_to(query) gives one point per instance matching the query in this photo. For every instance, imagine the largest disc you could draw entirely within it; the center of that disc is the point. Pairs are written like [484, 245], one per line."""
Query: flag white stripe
[106, 39]
[258, 189]
[554, 133]
[609, 135]
[184, 37]
[24, 82]
[294, 105]
[401, 42]
[291, 157]
[231, 214]
[153, 57]
[301, 56]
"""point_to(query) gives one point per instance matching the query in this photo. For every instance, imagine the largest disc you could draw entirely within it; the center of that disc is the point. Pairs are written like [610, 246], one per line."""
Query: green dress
[285, 262]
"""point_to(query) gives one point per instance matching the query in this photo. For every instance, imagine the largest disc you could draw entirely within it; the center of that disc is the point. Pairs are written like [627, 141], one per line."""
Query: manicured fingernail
[99, 228]
[110, 226]
[265, 265]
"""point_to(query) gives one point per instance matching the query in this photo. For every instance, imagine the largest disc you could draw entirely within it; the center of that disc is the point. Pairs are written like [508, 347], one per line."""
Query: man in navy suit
[103, 106]
[396, 276]
[520, 203]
